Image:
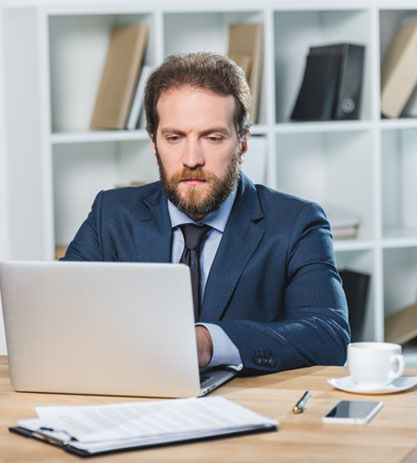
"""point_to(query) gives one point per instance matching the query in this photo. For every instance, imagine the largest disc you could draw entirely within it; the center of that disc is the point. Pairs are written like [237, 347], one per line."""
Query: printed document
[95, 428]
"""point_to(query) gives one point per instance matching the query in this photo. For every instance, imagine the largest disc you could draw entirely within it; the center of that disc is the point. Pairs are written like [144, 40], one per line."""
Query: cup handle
[399, 359]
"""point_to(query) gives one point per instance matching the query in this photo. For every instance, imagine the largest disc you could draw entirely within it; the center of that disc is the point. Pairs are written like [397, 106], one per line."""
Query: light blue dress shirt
[224, 351]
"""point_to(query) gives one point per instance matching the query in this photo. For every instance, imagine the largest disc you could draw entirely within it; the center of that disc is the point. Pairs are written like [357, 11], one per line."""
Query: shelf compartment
[399, 172]
[296, 31]
[209, 31]
[389, 21]
[333, 169]
[77, 51]
[82, 170]
[399, 238]
[400, 278]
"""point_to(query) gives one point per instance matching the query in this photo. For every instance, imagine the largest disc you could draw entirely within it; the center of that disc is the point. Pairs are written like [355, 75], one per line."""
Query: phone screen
[353, 411]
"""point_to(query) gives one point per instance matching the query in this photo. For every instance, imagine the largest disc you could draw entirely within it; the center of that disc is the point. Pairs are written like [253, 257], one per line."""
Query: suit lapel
[244, 230]
[153, 229]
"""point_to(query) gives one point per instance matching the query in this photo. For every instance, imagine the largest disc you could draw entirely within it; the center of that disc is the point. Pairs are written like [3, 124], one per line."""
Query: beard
[193, 201]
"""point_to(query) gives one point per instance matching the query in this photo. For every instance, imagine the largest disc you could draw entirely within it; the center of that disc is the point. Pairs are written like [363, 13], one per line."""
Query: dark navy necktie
[194, 236]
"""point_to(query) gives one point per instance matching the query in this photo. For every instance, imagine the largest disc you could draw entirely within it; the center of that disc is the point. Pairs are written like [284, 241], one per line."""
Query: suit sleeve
[314, 328]
[86, 244]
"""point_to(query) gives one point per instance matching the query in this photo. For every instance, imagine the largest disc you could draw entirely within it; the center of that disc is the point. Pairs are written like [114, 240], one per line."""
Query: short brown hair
[209, 71]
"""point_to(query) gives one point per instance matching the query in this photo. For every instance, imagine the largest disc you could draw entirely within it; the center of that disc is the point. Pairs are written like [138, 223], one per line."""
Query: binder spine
[350, 85]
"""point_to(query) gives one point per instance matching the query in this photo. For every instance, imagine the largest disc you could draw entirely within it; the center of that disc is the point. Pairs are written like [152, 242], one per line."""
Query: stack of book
[401, 326]
[399, 71]
[245, 49]
[344, 224]
[332, 83]
[120, 95]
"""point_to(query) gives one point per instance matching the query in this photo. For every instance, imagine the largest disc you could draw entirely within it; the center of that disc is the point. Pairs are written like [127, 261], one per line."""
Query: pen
[300, 405]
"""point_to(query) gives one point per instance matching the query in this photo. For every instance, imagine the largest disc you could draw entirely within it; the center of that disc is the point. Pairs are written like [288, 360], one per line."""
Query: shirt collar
[216, 219]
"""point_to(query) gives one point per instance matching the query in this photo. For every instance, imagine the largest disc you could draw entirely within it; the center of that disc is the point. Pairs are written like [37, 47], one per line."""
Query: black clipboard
[67, 447]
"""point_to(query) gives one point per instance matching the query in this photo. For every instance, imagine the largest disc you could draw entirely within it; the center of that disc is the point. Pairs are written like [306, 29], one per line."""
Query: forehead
[194, 106]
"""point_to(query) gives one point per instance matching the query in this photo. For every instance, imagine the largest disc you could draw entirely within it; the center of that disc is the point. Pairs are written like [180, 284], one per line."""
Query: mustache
[188, 174]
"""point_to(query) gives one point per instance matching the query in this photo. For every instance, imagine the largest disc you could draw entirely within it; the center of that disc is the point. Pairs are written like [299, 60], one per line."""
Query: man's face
[197, 149]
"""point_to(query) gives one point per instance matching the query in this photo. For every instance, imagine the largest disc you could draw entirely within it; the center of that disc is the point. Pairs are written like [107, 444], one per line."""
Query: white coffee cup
[375, 364]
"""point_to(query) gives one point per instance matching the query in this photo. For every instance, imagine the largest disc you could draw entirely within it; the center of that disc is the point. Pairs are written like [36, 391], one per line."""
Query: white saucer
[347, 384]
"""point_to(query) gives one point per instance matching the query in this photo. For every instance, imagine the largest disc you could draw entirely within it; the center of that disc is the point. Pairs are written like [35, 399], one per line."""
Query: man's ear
[153, 144]
[244, 145]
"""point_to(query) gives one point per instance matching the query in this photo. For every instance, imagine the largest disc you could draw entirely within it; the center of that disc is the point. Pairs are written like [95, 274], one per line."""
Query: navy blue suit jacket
[273, 286]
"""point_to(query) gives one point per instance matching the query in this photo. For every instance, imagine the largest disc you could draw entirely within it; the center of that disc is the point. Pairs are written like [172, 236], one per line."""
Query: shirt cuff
[224, 351]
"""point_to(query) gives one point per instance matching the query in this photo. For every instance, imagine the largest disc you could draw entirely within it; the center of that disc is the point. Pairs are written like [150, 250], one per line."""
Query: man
[269, 295]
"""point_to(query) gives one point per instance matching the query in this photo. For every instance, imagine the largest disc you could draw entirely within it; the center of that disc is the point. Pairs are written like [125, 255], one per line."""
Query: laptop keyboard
[204, 378]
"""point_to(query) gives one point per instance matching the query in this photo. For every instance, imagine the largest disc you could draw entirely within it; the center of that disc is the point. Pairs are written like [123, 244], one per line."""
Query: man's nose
[192, 154]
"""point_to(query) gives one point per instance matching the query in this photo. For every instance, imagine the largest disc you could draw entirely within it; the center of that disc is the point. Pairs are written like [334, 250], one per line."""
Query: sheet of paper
[149, 419]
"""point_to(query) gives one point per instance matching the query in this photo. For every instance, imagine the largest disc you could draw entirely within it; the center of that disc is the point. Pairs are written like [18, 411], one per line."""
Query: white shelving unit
[4, 232]
[53, 61]
[3, 158]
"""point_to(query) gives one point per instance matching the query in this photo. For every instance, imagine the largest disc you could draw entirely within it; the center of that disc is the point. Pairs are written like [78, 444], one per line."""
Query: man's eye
[173, 138]
[215, 139]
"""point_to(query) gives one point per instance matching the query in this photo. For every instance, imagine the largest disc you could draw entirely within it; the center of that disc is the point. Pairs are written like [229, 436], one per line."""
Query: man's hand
[204, 346]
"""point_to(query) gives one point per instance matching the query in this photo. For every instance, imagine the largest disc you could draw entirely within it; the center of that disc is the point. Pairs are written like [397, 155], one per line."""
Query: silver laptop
[103, 328]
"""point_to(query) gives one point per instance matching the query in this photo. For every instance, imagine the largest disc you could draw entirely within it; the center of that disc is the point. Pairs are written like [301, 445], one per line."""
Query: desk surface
[389, 437]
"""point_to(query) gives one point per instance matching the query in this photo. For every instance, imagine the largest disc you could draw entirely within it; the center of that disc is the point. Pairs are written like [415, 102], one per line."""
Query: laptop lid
[100, 328]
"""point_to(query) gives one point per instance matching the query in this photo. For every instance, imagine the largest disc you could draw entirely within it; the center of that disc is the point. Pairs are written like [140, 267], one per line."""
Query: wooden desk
[389, 437]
